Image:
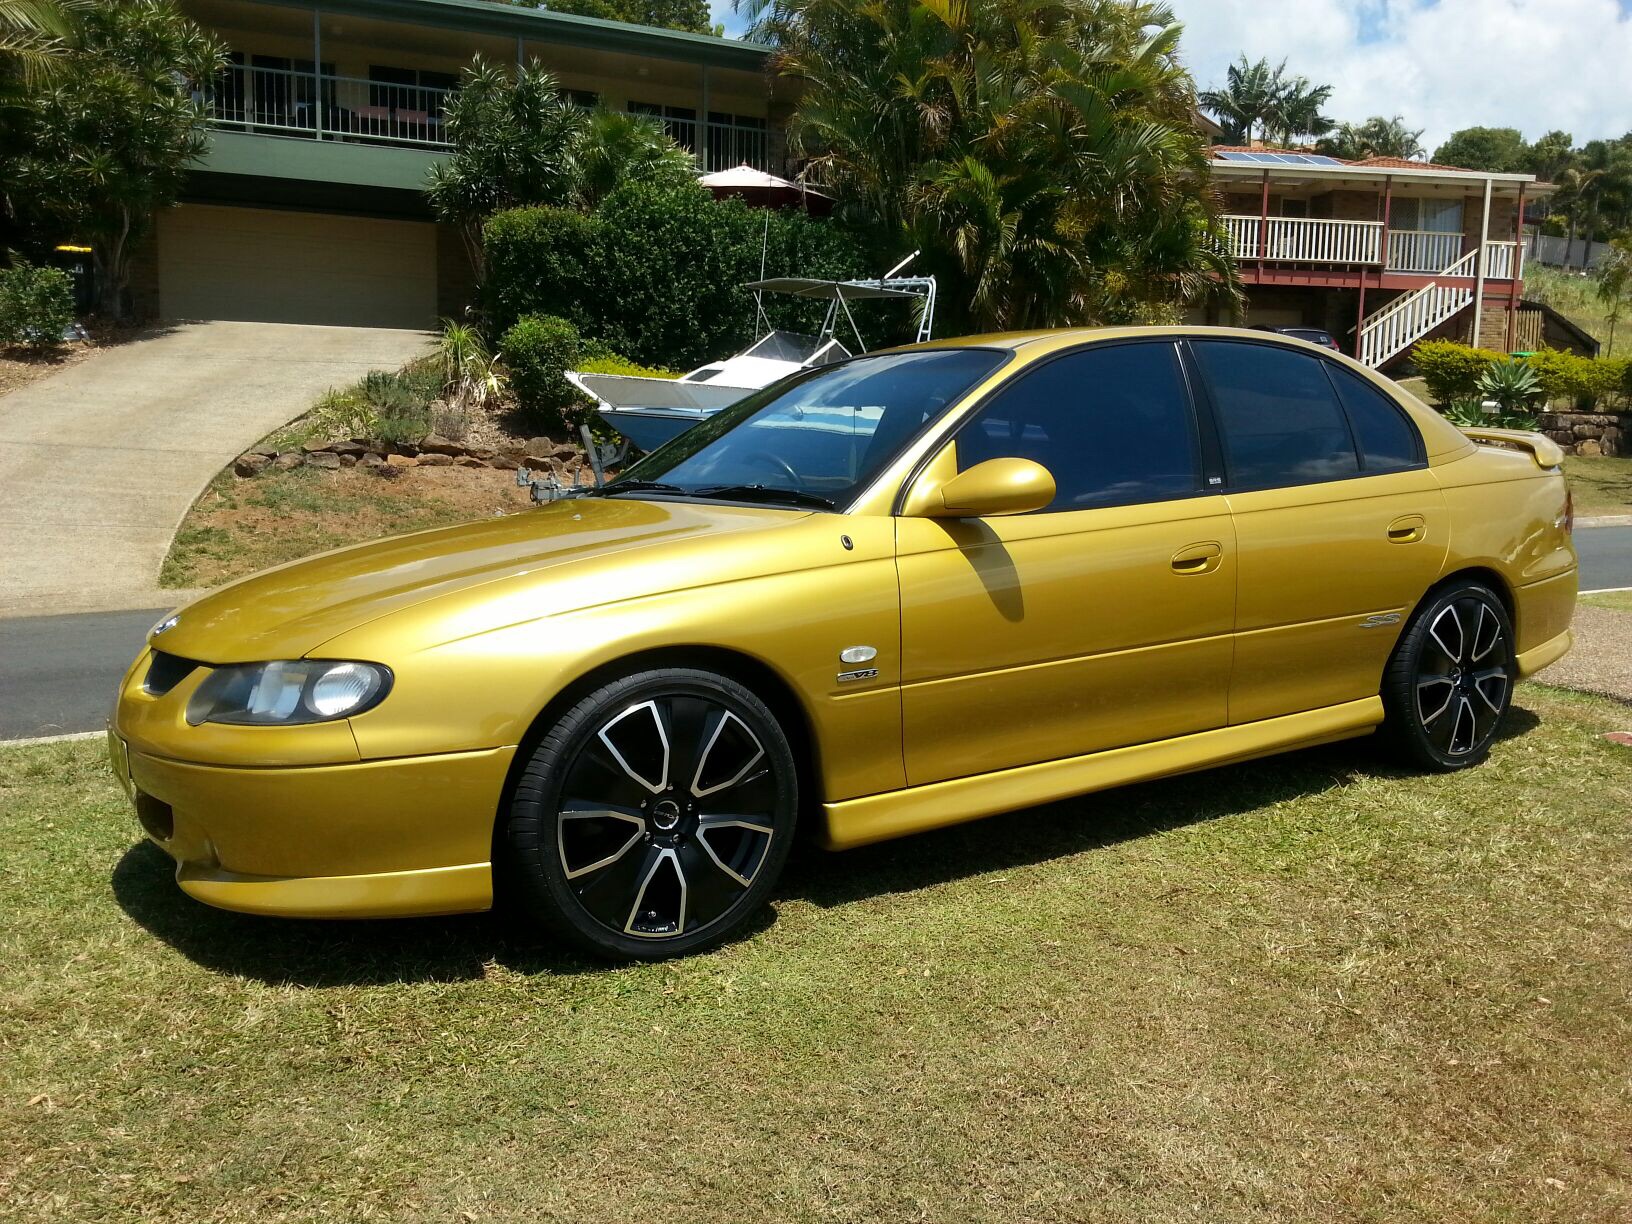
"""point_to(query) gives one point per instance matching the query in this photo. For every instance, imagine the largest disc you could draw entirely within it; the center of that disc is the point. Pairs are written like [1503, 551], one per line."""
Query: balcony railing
[1310, 240]
[286, 102]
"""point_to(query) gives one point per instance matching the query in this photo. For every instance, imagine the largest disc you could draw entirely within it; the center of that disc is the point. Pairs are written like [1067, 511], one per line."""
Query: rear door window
[1280, 419]
[1112, 424]
[1388, 440]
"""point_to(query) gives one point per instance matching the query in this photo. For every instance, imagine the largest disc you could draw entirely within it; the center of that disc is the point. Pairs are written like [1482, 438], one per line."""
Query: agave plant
[1514, 385]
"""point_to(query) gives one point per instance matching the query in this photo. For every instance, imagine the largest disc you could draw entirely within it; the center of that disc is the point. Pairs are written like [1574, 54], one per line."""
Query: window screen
[1111, 424]
[1281, 422]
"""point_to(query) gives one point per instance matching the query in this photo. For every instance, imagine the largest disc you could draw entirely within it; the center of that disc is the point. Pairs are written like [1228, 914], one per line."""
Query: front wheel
[1449, 684]
[654, 818]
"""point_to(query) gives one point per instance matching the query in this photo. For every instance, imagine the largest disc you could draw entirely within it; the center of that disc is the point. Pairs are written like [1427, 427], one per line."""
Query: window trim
[1198, 434]
[1210, 406]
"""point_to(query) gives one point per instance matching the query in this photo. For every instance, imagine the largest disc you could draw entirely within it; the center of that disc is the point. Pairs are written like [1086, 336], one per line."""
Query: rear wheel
[1450, 682]
[654, 818]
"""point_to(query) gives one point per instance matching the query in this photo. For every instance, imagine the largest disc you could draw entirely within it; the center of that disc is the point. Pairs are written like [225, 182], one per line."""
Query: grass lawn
[1602, 485]
[1308, 989]
[240, 526]
[1618, 601]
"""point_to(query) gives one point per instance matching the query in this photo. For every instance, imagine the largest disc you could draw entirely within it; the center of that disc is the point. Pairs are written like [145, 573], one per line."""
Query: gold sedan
[914, 588]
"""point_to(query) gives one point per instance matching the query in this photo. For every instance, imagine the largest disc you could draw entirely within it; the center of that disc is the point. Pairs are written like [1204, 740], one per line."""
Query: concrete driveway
[99, 463]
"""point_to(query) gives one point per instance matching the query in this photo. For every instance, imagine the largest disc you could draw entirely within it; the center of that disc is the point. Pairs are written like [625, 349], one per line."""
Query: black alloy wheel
[1450, 681]
[655, 817]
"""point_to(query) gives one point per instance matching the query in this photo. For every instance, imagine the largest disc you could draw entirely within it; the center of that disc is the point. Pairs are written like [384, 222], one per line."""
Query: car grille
[165, 672]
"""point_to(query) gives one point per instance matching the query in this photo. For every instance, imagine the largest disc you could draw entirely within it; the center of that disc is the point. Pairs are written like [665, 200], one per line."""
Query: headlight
[288, 692]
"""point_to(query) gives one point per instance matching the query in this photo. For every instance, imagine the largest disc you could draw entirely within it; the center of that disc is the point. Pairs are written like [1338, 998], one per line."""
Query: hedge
[1452, 371]
[655, 273]
[36, 305]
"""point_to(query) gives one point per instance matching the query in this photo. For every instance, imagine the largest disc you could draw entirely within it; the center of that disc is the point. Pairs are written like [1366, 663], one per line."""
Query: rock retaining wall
[562, 460]
[1588, 433]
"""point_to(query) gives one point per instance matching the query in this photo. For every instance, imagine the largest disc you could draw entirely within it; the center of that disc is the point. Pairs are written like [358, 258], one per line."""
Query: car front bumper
[368, 839]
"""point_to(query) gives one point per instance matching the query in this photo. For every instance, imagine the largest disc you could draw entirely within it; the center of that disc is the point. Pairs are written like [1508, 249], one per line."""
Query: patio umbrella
[765, 190]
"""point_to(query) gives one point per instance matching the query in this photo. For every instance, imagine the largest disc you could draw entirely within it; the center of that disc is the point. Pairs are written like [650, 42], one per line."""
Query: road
[58, 673]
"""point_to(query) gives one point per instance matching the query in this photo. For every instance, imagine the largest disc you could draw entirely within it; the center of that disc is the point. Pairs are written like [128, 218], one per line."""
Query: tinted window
[1388, 441]
[1111, 424]
[1281, 422]
[826, 431]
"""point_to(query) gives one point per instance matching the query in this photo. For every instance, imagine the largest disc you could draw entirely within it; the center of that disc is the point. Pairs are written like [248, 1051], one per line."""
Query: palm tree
[1376, 137]
[1041, 156]
[33, 33]
[613, 147]
[1299, 115]
[1251, 99]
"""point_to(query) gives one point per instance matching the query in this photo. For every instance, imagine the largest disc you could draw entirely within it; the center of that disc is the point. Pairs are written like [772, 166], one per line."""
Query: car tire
[653, 819]
[1450, 681]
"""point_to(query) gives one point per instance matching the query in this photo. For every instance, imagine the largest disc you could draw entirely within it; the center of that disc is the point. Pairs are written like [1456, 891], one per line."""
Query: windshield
[817, 436]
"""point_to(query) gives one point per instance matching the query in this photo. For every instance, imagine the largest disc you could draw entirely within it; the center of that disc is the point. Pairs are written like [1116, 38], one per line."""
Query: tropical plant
[36, 306]
[1512, 384]
[512, 139]
[1042, 157]
[469, 373]
[518, 141]
[614, 147]
[1376, 137]
[99, 145]
[1470, 412]
[1260, 100]
[34, 35]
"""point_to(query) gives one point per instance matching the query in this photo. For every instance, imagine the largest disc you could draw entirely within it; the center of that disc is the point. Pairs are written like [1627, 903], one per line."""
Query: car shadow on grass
[316, 953]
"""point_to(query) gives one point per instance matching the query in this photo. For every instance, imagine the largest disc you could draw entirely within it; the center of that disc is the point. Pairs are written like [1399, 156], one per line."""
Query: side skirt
[856, 822]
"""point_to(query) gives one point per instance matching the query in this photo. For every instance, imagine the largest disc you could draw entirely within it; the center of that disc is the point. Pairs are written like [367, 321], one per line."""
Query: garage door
[291, 267]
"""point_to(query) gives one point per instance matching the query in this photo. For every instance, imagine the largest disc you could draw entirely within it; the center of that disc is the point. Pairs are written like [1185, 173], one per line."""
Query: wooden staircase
[1410, 317]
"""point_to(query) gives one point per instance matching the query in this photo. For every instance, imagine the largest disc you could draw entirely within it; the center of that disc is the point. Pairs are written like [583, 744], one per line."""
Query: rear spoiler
[1544, 451]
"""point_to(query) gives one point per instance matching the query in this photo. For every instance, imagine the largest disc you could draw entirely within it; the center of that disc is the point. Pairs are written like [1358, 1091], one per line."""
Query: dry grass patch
[19, 367]
[1311, 988]
[1601, 485]
[240, 526]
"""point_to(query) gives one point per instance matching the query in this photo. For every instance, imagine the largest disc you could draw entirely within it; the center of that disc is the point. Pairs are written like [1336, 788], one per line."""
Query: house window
[1435, 216]
[584, 99]
[398, 86]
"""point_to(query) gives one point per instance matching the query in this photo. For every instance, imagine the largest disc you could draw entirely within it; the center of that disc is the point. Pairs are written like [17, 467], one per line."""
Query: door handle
[1201, 558]
[1407, 529]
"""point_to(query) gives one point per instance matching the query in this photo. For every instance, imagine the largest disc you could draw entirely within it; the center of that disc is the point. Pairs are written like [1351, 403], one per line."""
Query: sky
[1442, 64]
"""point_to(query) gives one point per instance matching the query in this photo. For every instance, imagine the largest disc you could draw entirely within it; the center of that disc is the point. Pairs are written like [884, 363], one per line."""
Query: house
[1381, 252]
[308, 206]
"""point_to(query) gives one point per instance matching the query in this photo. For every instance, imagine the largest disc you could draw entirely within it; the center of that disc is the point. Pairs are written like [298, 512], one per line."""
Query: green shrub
[36, 305]
[537, 350]
[656, 272]
[1451, 370]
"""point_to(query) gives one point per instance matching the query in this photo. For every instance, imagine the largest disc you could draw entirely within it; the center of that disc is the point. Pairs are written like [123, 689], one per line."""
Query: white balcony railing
[1503, 260]
[1305, 239]
[1314, 240]
[285, 102]
[1422, 250]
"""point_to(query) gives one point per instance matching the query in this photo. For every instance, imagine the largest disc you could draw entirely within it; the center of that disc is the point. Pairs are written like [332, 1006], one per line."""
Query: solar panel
[1267, 158]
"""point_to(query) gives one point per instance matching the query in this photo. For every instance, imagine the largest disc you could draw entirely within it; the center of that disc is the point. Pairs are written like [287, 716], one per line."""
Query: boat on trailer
[648, 412]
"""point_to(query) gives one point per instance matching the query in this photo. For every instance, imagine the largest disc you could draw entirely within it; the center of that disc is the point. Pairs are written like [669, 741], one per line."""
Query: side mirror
[998, 486]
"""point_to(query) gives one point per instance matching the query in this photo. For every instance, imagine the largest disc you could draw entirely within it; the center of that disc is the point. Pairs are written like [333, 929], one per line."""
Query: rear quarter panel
[1507, 515]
